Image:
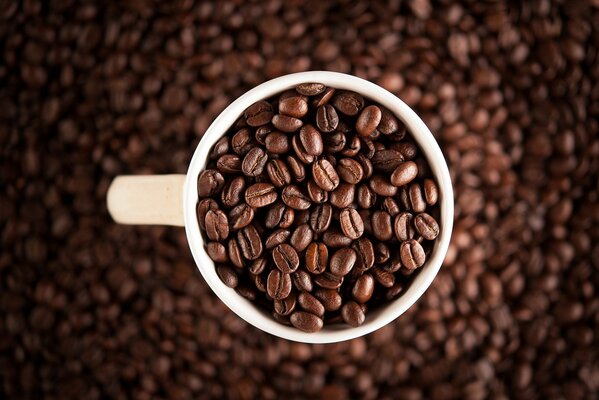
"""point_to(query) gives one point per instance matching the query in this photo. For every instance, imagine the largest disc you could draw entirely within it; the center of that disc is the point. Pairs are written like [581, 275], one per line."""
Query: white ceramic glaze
[375, 319]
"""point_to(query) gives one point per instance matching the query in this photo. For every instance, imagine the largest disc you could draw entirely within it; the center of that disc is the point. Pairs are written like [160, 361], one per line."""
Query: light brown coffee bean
[431, 193]
[259, 113]
[381, 226]
[295, 198]
[416, 198]
[381, 186]
[343, 196]
[233, 192]
[277, 143]
[227, 275]
[203, 207]
[285, 306]
[403, 226]
[217, 252]
[317, 258]
[363, 288]
[412, 254]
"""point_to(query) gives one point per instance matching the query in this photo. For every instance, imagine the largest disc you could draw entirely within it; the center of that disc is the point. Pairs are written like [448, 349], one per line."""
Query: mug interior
[383, 314]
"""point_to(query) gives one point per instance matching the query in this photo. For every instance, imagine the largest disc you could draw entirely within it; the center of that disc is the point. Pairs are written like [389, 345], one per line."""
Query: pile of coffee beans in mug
[318, 205]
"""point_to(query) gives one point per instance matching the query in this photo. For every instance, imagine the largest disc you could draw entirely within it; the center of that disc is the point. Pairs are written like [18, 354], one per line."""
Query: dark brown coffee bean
[254, 162]
[328, 281]
[220, 148]
[317, 257]
[217, 225]
[404, 173]
[390, 206]
[302, 217]
[352, 147]
[259, 113]
[394, 291]
[323, 98]
[217, 252]
[431, 194]
[368, 147]
[363, 288]
[295, 198]
[258, 266]
[277, 143]
[234, 253]
[250, 242]
[229, 164]
[306, 321]
[364, 252]
[311, 140]
[330, 298]
[293, 104]
[233, 192]
[320, 218]
[327, 119]
[381, 226]
[366, 165]
[246, 290]
[412, 254]
[342, 261]
[227, 275]
[334, 142]
[350, 170]
[276, 238]
[386, 160]
[301, 153]
[262, 132]
[407, 150]
[343, 196]
[369, 120]
[404, 198]
[351, 223]
[296, 168]
[353, 314]
[310, 89]
[302, 280]
[381, 186]
[335, 238]
[285, 258]
[242, 142]
[403, 226]
[310, 304]
[286, 123]
[366, 197]
[288, 218]
[316, 193]
[274, 215]
[301, 237]
[260, 194]
[324, 175]
[384, 278]
[416, 198]
[210, 182]
[389, 123]
[260, 282]
[203, 207]
[427, 226]
[348, 103]
[382, 253]
[278, 284]
[287, 305]
[278, 173]
[392, 266]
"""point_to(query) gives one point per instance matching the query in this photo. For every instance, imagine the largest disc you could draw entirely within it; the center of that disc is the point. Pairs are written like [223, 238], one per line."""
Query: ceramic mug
[172, 199]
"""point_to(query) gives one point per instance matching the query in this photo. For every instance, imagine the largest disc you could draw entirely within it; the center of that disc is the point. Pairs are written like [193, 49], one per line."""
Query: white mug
[172, 199]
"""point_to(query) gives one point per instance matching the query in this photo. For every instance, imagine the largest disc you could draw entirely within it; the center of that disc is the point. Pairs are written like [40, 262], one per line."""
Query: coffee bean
[276, 238]
[260, 195]
[394, 291]
[274, 215]
[334, 142]
[327, 119]
[293, 104]
[306, 321]
[390, 206]
[302, 217]
[310, 304]
[353, 314]
[412, 254]
[343, 196]
[416, 198]
[324, 175]
[389, 123]
[363, 288]
[254, 162]
[382, 253]
[278, 284]
[403, 226]
[369, 120]
[366, 165]
[258, 266]
[407, 150]
[300, 151]
[203, 207]
[277, 143]
[301, 237]
[227, 275]
[384, 278]
[217, 225]
[242, 142]
[250, 242]
[262, 132]
[259, 113]
[386, 160]
[366, 197]
[343, 261]
[431, 194]
[348, 103]
[350, 170]
[320, 218]
[210, 182]
[234, 253]
[316, 193]
[288, 218]
[310, 89]
[278, 173]
[311, 140]
[382, 186]
[217, 252]
[317, 257]
[353, 145]
[351, 223]
[323, 98]
[426, 226]
[328, 281]
[364, 252]
[295, 198]
[287, 305]
[330, 298]
[381, 226]
[296, 168]
[233, 191]
[335, 238]
[286, 123]
[229, 164]
[302, 280]
[368, 147]
[404, 173]
[285, 258]
[221, 147]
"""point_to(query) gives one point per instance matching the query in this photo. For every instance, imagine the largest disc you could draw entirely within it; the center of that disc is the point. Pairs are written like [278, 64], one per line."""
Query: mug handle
[147, 199]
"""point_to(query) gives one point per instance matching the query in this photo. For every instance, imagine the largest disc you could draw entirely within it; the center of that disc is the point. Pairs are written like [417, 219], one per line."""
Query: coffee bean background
[89, 309]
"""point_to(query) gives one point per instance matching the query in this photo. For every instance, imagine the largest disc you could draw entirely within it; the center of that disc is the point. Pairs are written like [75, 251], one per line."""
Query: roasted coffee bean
[234, 253]
[328, 281]
[250, 242]
[310, 304]
[390, 206]
[274, 215]
[404, 198]
[210, 182]
[335, 238]
[296, 168]
[300, 152]
[392, 266]
[286, 123]
[233, 192]
[416, 198]
[320, 218]
[384, 278]
[412, 254]
[247, 291]
[288, 218]
[262, 132]
[277, 143]
[259, 113]
[306, 321]
[229, 164]
[295, 198]
[221, 147]
[350, 170]
[316, 193]
[278, 284]
[311, 140]
[334, 142]
[364, 253]
[293, 104]
[353, 145]
[369, 120]
[254, 162]
[217, 252]
[431, 194]
[394, 291]
[381, 186]
[324, 175]
[302, 280]
[427, 226]
[407, 150]
[363, 288]
[217, 225]
[317, 257]
[389, 123]
[301, 237]
[343, 196]
[287, 305]
[327, 119]
[260, 281]
[382, 226]
[285, 257]
[258, 266]
[368, 147]
[242, 142]
[366, 165]
[348, 103]
[278, 173]
[351, 223]
[366, 216]
[404, 173]
[276, 238]
[330, 298]
[227, 275]
[381, 253]
[310, 89]
[260, 194]
[342, 261]
[302, 217]
[323, 98]
[403, 226]
[366, 197]
[353, 314]
[203, 207]
[386, 160]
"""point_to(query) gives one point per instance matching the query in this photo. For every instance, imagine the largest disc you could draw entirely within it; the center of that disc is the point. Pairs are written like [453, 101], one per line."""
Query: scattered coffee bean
[286, 305]
[229, 164]
[363, 288]
[286, 123]
[278, 173]
[217, 252]
[277, 143]
[276, 238]
[301, 237]
[348, 103]
[350, 170]
[295, 198]
[293, 104]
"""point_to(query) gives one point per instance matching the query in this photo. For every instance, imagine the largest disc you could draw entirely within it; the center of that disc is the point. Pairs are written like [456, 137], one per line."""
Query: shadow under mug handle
[147, 199]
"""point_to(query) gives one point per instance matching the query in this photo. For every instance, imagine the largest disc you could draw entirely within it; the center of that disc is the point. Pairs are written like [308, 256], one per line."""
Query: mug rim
[384, 314]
